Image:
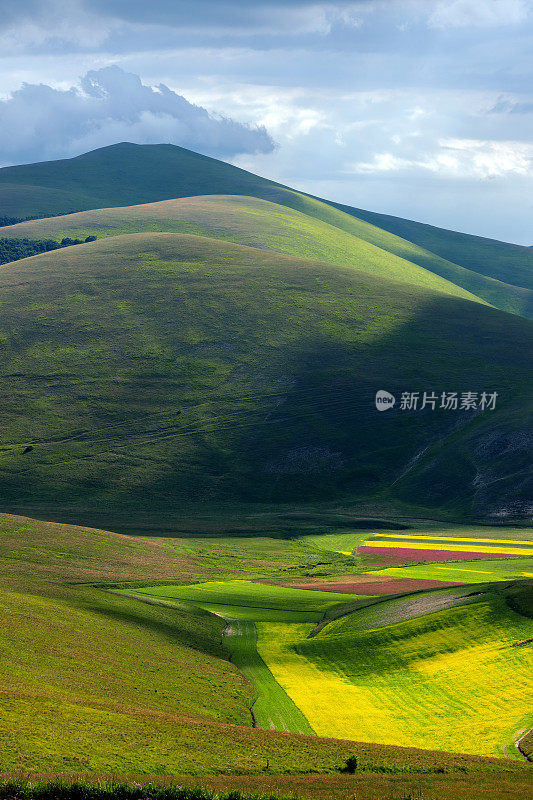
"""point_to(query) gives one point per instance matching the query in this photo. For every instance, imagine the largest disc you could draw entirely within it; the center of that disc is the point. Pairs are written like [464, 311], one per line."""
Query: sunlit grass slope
[243, 220]
[452, 679]
[499, 260]
[507, 293]
[127, 174]
[153, 368]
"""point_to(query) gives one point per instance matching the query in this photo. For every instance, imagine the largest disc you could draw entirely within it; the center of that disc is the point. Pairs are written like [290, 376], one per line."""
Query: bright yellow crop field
[448, 681]
[450, 543]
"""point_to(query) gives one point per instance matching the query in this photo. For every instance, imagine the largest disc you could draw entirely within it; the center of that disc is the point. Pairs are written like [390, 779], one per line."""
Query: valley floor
[134, 655]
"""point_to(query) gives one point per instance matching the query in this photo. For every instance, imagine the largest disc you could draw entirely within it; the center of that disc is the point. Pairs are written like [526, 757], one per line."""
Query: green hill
[119, 175]
[242, 220]
[128, 174]
[500, 260]
[159, 368]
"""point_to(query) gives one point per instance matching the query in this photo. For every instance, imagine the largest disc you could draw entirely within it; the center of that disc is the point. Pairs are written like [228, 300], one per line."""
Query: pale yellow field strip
[459, 569]
[416, 536]
[471, 548]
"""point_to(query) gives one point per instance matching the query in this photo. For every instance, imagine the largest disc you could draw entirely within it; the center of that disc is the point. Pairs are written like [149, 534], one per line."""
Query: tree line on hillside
[13, 220]
[15, 249]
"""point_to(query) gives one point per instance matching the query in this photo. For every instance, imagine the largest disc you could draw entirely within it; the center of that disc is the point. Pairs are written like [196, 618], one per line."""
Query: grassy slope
[128, 174]
[509, 296]
[272, 360]
[499, 260]
[162, 665]
[249, 221]
[459, 664]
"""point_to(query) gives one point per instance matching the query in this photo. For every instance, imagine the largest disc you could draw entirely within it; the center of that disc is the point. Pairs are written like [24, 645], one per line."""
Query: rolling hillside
[242, 220]
[128, 174]
[156, 368]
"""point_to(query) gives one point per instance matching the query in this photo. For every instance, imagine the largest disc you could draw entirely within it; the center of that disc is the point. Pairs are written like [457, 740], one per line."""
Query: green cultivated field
[272, 708]
[245, 605]
[253, 595]
[478, 571]
[142, 684]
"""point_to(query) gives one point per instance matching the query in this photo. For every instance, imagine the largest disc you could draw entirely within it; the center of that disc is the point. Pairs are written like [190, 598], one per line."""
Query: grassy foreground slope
[127, 174]
[158, 367]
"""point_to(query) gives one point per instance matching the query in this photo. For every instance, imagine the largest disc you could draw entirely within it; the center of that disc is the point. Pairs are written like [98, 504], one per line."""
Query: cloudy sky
[418, 108]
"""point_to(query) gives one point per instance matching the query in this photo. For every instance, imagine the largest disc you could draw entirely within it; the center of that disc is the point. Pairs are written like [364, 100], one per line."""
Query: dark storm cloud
[111, 105]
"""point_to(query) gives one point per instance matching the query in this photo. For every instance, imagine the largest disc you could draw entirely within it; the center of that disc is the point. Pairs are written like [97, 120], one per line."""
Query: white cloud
[457, 158]
[478, 13]
[38, 122]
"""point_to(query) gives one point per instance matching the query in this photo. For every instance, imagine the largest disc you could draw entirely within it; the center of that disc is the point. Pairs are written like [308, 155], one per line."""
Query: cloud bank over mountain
[416, 108]
[109, 105]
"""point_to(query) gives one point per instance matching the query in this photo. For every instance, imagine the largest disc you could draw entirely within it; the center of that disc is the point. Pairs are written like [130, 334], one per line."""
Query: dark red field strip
[412, 554]
[393, 586]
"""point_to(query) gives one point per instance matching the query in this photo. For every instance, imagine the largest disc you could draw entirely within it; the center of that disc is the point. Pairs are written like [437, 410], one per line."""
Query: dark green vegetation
[14, 249]
[157, 368]
[267, 787]
[12, 220]
[127, 174]
[84, 790]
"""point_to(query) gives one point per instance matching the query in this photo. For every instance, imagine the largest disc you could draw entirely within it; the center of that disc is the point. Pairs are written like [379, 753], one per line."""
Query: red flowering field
[379, 586]
[405, 555]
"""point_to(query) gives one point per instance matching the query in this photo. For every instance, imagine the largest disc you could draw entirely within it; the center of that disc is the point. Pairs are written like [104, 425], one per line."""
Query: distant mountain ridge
[130, 174]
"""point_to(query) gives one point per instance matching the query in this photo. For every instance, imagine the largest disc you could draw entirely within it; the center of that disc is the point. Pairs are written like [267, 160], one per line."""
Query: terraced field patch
[369, 585]
[251, 595]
